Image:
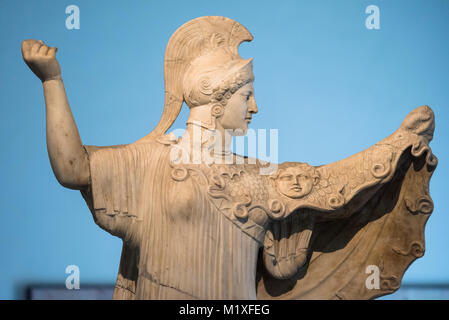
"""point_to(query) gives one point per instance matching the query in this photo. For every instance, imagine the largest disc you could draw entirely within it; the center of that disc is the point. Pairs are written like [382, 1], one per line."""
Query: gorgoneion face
[295, 182]
[239, 110]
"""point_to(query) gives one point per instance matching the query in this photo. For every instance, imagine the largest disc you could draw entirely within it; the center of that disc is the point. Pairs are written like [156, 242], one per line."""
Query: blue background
[330, 85]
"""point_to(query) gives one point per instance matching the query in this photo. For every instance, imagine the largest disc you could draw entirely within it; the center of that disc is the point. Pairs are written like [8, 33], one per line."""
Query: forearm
[67, 156]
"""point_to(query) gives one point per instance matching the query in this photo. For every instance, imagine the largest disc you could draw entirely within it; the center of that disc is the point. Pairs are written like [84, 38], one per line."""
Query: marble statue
[221, 228]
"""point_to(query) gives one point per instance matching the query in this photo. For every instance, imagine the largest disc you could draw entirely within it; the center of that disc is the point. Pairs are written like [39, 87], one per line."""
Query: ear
[316, 178]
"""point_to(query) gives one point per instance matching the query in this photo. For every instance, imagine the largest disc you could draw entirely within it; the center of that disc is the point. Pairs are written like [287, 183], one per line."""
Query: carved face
[239, 110]
[295, 182]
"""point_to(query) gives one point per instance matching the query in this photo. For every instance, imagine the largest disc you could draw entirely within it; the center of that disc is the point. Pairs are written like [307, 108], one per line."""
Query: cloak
[226, 231]
[380, 228]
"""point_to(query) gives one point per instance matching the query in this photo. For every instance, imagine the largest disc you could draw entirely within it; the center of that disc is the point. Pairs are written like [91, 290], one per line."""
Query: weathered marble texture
[214, 230]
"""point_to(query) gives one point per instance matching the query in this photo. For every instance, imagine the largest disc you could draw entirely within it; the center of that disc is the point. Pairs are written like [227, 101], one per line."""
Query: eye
[247, 97]
[286, 177]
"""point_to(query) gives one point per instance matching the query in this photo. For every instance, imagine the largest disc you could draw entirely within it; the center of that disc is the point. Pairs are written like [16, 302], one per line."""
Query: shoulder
[149, 145]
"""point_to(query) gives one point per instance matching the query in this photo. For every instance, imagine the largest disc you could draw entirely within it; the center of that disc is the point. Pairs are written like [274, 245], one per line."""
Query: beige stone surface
[199, 222]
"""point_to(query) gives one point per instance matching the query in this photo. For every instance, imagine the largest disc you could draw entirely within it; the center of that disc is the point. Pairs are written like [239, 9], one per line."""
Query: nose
[252, 106]
[297, 180]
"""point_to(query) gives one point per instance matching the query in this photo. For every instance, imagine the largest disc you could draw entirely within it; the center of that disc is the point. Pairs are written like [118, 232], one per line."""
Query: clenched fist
[41, 59]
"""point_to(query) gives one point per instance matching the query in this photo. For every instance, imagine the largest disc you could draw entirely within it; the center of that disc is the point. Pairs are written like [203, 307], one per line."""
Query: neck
[199, 139]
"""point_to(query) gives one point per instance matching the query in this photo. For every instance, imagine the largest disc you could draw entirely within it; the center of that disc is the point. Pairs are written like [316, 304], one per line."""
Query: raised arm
[67, 156]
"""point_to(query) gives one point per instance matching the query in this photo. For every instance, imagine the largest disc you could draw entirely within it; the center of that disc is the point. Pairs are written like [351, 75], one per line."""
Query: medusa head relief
[296, 180]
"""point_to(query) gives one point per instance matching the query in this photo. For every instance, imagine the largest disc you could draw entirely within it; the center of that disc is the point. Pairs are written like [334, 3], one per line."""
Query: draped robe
[199, 231]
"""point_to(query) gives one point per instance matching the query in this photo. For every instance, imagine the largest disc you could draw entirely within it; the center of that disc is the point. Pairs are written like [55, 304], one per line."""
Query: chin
[241, 131]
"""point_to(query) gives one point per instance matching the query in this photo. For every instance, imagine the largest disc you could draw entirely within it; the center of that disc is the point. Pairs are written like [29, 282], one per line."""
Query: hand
[420, 121]
[41, 59]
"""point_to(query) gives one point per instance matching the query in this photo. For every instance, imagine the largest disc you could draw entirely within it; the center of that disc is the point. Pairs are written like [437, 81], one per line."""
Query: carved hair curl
[206, 82]
[227, 88]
